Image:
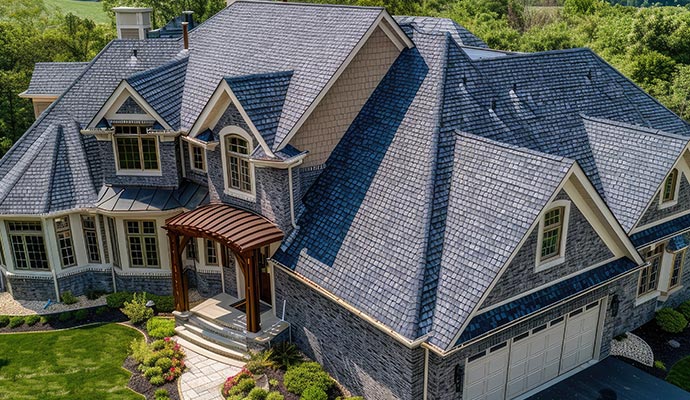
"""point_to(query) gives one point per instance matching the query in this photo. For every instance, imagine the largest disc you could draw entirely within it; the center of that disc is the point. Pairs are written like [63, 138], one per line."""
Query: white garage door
[534, 357]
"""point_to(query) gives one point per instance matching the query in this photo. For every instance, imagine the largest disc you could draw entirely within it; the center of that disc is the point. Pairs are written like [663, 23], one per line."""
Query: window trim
[559, 258]
[663, 203]
[237, 131]
[70, 238]
[207, 249]
[114, 242]
[84, 230]
[682, 253]
[142, 171]
[191, 147]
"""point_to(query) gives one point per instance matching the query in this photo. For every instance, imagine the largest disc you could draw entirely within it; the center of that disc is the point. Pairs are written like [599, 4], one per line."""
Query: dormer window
[197, 156]
[669, 193]
[552, 235]
[135, 150]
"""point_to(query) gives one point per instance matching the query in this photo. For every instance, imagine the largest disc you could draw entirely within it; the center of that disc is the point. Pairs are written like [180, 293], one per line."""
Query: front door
[261, 259]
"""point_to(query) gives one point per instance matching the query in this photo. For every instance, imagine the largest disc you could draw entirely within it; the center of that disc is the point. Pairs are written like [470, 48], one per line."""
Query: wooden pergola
[239, 230]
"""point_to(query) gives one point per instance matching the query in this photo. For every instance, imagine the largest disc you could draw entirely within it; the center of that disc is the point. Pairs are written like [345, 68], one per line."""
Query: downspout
[292, 195]
[426, 372]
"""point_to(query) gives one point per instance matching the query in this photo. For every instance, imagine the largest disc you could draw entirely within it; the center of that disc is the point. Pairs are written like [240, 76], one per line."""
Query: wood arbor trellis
[238, 230]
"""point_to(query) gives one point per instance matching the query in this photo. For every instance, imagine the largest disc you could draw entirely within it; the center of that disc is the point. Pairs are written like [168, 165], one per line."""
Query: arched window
[670, 189]
[238, 174]
[553, 229]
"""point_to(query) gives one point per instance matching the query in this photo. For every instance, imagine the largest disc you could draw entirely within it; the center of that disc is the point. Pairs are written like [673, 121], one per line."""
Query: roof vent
[134, 53]
[515, 87]
[493, 105]
[464, 80]
[132, 22]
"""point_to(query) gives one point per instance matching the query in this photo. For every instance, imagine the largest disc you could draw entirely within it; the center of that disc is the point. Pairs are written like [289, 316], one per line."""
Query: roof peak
[514, 148]
[639, 128]
[282, 3]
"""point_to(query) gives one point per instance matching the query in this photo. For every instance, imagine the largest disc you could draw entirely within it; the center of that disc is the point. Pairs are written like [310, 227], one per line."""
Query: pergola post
[180, 292]
[251, 292]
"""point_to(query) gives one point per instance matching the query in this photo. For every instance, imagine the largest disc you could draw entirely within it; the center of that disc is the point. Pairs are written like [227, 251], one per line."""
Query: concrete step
[191, 347]
[216, 328]
[204, 314]
[201, 341]
[240, 345]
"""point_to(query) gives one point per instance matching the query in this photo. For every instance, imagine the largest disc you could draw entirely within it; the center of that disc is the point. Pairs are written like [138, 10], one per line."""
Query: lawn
[76, 364]
[81, 8]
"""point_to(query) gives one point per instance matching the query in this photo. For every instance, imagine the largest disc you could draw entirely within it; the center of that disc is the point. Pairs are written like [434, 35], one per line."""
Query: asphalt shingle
[52, 78]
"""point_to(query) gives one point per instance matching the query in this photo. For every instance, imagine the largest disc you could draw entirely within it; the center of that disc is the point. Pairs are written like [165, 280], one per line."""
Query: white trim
[113, 99]
[659, 222]
[646, 297]
[542, 265]
[238, 131]
[44, 97]
[136, 172]
[211, 146]
[425, 394]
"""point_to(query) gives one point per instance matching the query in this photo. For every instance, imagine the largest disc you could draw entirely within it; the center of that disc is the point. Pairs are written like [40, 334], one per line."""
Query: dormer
[49, 81]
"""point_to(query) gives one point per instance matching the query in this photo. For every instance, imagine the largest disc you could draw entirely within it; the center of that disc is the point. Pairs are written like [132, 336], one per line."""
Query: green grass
[76, 364]
[679, 374]
[81, 8]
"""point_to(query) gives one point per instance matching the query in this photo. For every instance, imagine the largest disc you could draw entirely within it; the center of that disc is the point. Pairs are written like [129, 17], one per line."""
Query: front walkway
[204, 376]
[612, 379]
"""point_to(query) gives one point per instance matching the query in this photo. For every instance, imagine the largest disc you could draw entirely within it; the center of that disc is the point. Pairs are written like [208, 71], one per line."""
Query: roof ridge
[325, 5]
[639, 128]
[518, 149]
[259, 75]
[537, 53]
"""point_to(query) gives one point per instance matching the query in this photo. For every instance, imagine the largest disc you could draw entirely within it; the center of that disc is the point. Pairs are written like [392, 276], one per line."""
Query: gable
[126, 105]
[130, 106]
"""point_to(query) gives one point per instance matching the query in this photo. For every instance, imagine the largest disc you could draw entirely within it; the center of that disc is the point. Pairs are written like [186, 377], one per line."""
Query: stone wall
[584, 248]
[654, 214]
[229, 274]
[81, 282]
[208, 283]
[34, 288]
[168, 159]
[154, 284]
[362, 358]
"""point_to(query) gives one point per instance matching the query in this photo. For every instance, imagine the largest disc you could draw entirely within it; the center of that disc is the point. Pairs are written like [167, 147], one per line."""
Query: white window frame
[558, 259]
[674, 201]
[191, 148]
[65, 234]
[142, 235]
[678, 253]
[236, 130]
[658, 251]
[23, 234]
[136, 172]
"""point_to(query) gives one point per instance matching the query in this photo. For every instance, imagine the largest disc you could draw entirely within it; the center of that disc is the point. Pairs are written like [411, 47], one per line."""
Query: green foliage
[273, 383]
[260, 361]
[684, 309]
[117, 300]
[165, 10]
[16, 322]
[160, 327]
[300, 377]
[164, 304]
[581, 7]
[314, 393]
[679, 374]
[101, 310]
[139, 350]
[65, 316]
[275, 396]
[242, 387]
[164, 363]
[136, 309]
[153, 371]
[81, 315]
[32, 320]
[257, 394]
[670, 320]
[68, 298]
[161, 361]
[660, 365]
[45, 319]
[93, 294]
[4, 321]
[286, 354]
[162, 394]
[157, 380]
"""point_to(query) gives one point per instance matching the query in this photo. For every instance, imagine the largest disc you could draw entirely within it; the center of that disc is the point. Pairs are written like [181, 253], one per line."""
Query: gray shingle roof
[441, 25]
[52, 78]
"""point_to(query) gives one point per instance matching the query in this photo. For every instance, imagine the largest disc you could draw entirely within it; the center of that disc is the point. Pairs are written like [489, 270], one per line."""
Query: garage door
[534, 357]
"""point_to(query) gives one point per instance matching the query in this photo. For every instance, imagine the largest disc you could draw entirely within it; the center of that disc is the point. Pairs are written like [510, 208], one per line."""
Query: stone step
[240, 345]
[213, 347]
[204, 314]
[191, 347]
[218, 329]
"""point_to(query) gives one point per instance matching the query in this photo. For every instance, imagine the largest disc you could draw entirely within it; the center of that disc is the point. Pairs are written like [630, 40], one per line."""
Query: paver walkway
[204, 376]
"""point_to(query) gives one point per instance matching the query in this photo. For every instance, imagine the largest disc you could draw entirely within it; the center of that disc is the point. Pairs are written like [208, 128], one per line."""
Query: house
[426, 217]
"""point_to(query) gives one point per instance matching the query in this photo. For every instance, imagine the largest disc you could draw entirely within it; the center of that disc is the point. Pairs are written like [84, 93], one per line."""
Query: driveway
[612, 379]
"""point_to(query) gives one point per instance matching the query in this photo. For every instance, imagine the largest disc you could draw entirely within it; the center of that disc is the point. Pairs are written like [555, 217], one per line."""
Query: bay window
[65, 243]
[28, 245]
[93, 251]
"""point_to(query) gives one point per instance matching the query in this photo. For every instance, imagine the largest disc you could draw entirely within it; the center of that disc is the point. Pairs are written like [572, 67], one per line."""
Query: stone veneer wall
[168, 161]
[229, 274]
[653, 213]
[31, 288]
[83, 281]
[362, 358]
[159, 284]
[208, 283]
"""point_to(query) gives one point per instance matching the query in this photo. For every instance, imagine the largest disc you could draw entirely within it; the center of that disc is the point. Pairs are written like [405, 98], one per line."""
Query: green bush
[31, 320]
[68, 298]
[81, 315]
[285, 355]
[93, 294]
[157, 380]
[260, 361]
[4, 321]
[45, 319]
[273, 383]
[153, 371]
[660, 365]
[314, 393]
[136, 309]
[300, 377]
[164, 363]
[65, 316]
[243, 387]
[275, 396]
[257, 394]
[118, 300]
[16, 322]
[670, 320]
[101, 310]
[160, 328]
[161, 394]
[139, 350]
[679, 374]
[158, 344]
[164, 304]
[685, 310]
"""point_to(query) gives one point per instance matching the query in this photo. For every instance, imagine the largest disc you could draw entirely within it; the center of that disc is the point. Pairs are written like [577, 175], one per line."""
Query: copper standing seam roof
[238, 229]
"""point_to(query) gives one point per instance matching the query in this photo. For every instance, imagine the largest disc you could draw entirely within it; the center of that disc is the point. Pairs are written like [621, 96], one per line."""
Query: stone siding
[208, 283]
[584, 248]
[653, 213]
[34, 288]
[192, 175]
[154, 284]
[362, 358]
[168, 159]
[230, 277]
[330, 120]
[83, 281]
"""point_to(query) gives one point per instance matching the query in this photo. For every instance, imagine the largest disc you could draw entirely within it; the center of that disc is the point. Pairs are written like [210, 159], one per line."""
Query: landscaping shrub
[161, 394]
[45, 319]
[257, 394]
[158, 327]
[298, 378]
[161, 361]
[81, 315]
[93, 294]
[101, 310]
[679, 374]
[275, 396]
[164, 363]
[118, 300]
[684, 309]
[158, 344]
[314, 393]
[139, 350]
[68, 298]
[231, 387]
[65, 316]
[164, 304]
[157, 380]
[16, 322]
[670, 320]
[260, 361]
[273, 383]
[660, 365]
[285, 355]
[153, 371]
[136, 309]
[31, 320]
[4, 321]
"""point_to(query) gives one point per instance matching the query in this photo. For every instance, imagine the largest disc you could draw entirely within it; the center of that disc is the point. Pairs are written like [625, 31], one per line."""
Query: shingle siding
[655, 212]
[334, 115]
[583, 249]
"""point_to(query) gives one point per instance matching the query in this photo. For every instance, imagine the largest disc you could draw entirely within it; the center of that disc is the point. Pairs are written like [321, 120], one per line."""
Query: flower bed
[156, 366]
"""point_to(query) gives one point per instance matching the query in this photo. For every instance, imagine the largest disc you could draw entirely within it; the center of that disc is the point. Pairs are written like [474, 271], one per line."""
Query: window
[2, 254]
[28, 246]
[197, 157]
[237, 160]
[114, 245]
[143, 244]
[552, 231]
[93, 251]
[135, 151]
[649, 276]
[211, 254]
[669, 192]
[64, 240]
[677, 271]
[191, 250]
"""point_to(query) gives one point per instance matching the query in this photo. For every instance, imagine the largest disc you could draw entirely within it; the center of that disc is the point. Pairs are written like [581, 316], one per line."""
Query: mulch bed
[140, 384]
[658, 341]
[111, 315]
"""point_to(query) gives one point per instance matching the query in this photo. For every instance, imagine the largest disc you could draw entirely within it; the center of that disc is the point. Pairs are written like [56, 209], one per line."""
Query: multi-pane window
[28, 246]
[136, 150]
[552, 233]
[237, 158]
[64, 241]
[114, 244]
[649, 276]
[143, 244]
[211, 254]
[198, 157]
[677, 271]
[191, 250]
[93, 251]
[669, 191]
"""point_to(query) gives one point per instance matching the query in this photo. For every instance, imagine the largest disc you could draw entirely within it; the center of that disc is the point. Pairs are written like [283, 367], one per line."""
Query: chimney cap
[132, 9]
